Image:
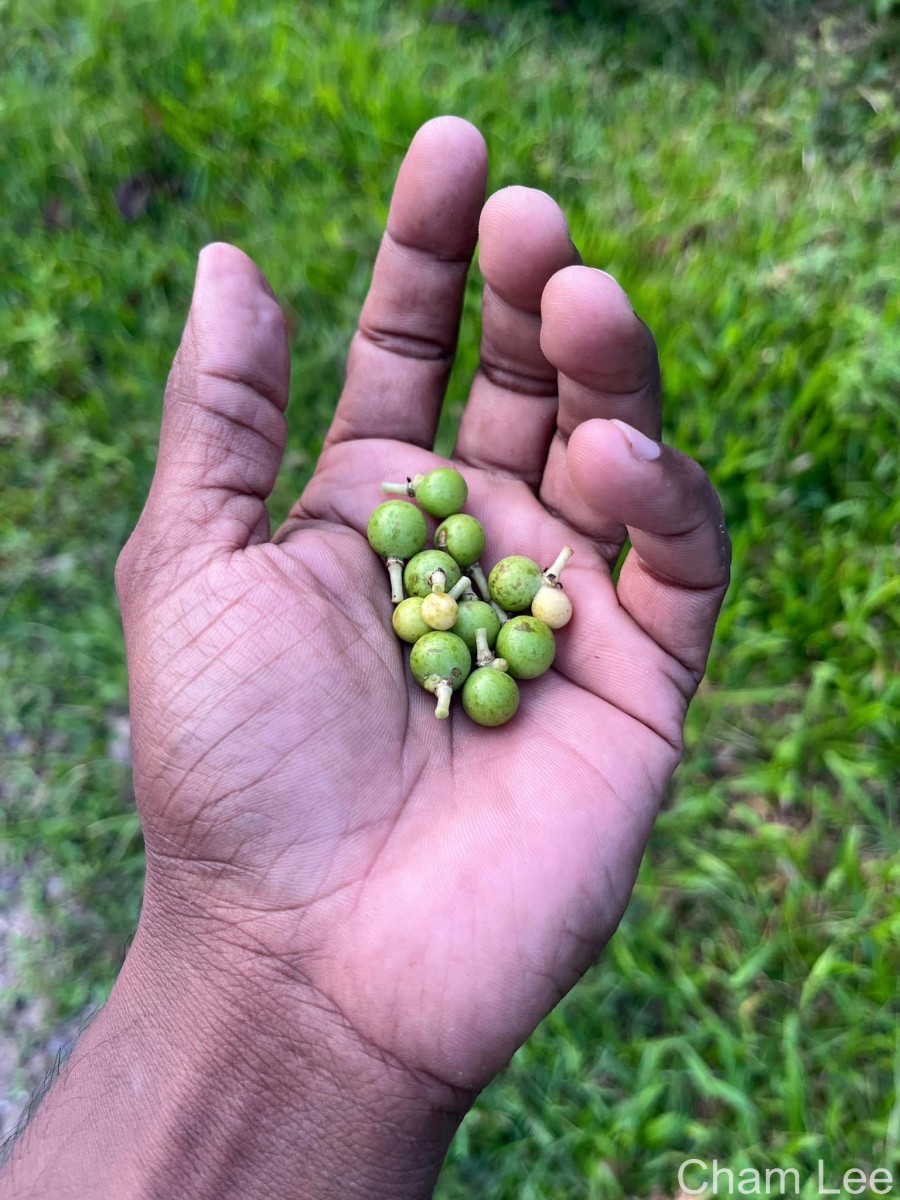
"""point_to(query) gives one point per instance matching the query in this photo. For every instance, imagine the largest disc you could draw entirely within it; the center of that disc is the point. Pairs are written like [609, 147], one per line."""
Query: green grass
[732, 167]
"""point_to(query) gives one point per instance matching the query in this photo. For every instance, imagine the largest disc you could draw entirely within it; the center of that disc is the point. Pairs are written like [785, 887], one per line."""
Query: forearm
[197, 1082]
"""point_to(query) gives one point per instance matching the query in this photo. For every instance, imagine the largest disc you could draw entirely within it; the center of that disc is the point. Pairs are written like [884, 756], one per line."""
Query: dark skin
[369, 908]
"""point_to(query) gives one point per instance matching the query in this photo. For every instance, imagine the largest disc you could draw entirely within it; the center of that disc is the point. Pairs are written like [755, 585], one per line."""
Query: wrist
[330, 1109]
[216, 1071]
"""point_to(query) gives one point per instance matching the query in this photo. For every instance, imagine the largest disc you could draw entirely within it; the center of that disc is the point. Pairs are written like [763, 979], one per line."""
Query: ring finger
[608, 367]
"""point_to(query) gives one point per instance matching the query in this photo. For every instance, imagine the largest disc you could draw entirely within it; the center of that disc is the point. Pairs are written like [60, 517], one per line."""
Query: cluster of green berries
[452, 624]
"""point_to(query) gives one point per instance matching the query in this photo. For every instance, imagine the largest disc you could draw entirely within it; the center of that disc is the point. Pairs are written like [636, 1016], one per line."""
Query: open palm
[437, 884]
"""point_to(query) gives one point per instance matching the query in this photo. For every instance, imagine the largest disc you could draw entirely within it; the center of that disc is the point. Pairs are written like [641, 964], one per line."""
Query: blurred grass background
[732, 164]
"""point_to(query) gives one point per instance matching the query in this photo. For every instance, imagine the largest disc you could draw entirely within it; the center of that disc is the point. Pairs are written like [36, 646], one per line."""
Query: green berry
[514, 582]
[441, 492]
[407, 619]
[397, 529]
[528, 646]
[443, 655]
[490, 697]
[418, 569]
[462, 537]
[474, 615]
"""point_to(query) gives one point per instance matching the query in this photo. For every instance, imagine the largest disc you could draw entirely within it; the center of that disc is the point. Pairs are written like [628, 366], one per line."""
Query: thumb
[223, 427]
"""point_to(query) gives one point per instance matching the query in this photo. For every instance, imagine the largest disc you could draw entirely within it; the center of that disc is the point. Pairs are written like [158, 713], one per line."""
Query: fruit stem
[552, 573]
[395, 572]
[403, 489]
[457, 590]
[482, 584]
[480, 581]
[499, 664]
[442, 689]
[483, 653]
[441, 540]
[437, 580]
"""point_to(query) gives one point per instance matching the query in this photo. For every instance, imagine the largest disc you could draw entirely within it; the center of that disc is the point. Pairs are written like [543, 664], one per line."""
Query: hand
[429, 888]
[440, 885]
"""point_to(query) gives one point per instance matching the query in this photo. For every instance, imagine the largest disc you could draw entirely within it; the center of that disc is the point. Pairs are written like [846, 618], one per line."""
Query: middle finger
[510, 415]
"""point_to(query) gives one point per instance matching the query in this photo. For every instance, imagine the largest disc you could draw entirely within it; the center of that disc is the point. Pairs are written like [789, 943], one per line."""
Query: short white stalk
[481, 583]
[552, 573]
[483, 653]
[458, 589]
[403, 489]
[443, 691]
[395, 573]
[480, 580]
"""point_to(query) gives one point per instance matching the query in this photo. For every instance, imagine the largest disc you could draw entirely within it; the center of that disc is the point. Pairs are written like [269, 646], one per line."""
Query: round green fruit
[514, 581]
[528, 646]
[397, 529]
[472, 616]
[441, 655]
[407, 619]
[418, 569]
[441, 492]
[490, 697]
[462, 537]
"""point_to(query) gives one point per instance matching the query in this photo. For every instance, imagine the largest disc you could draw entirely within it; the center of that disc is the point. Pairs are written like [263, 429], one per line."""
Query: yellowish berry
[439, 610]
[552, 606]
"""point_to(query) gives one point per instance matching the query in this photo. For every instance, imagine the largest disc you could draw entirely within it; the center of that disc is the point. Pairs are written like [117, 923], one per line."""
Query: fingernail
[642, 448]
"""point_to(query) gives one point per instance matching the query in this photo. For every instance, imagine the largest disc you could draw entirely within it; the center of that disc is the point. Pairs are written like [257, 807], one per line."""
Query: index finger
[403, 350]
